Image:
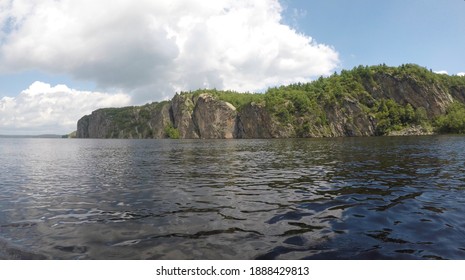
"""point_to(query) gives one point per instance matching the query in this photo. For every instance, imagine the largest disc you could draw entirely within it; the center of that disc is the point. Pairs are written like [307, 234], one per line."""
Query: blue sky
[430, 33]
[59, 60]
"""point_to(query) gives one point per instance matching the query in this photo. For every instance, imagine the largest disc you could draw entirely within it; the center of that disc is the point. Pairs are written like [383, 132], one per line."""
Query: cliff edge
[365, 101]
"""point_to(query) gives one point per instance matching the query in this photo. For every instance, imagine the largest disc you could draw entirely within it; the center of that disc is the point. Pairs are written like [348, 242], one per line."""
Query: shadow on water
[343, 198]
[397, 202]
[9, 251]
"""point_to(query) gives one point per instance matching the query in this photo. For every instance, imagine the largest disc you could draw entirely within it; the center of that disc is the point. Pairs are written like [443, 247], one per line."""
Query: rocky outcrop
[201, 116]
[96, 125]
[407, 90]
[350, 105]
[409, 131]
[82, 130]
[214, 119]
[255, 122]
[458, 93]
[206, 117]
[129, 122]
[182, 108]
[160, 118]
[350, 120]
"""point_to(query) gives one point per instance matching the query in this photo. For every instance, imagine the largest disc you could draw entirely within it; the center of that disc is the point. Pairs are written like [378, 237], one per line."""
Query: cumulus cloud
[444, 72]
[153, 48]
[43, 108]
[462, 74]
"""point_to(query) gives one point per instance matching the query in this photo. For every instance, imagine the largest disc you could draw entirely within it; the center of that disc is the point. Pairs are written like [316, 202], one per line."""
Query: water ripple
[350, 198]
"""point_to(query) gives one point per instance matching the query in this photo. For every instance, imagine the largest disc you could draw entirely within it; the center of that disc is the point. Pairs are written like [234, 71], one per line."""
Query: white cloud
[444, 72]
[45, 109]
[462, 74]
[152, 48]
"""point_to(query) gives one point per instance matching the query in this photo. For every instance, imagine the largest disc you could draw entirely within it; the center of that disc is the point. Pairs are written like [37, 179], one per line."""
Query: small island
[365, 101]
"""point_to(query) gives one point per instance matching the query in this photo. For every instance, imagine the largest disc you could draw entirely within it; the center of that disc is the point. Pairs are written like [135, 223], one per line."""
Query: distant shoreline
[32, 136]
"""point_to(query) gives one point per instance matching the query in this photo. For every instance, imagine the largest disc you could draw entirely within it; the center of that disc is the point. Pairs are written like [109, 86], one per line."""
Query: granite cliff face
[201, 116]
[408, 90]
[366, 101]
[130, 122]
[255, 122]
[214, 118]
[182, 110]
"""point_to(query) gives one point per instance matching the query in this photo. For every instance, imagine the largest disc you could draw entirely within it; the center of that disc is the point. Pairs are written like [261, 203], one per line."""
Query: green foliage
[278, 104]
[70, 135]
[421, 117]
[171, 132]
[392, 116]
[305, 105]
[453, 121]
[132, 121]
[237, 99]
[312, 106]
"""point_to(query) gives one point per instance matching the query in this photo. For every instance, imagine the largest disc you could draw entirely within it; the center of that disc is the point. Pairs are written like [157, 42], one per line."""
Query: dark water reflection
[345, 198]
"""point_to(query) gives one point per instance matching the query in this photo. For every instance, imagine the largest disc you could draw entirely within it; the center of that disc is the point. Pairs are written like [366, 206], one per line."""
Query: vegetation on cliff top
[306, 105]
[127, 118]
[365, 92]
[237, 99]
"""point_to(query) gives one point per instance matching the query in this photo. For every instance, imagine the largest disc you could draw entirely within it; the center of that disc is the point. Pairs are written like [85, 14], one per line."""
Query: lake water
[342, 198]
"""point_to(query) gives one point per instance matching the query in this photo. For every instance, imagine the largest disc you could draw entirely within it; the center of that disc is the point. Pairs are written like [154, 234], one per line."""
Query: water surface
[341, 198]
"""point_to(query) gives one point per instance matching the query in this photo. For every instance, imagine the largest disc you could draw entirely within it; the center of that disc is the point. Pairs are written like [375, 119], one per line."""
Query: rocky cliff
[365, 101]
[148, 121]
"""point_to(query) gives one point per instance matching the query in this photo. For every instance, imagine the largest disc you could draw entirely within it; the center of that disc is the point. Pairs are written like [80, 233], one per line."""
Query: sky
[62, 59]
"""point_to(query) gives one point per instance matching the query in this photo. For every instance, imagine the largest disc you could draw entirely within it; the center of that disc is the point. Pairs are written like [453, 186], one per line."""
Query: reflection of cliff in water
[380, 198]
